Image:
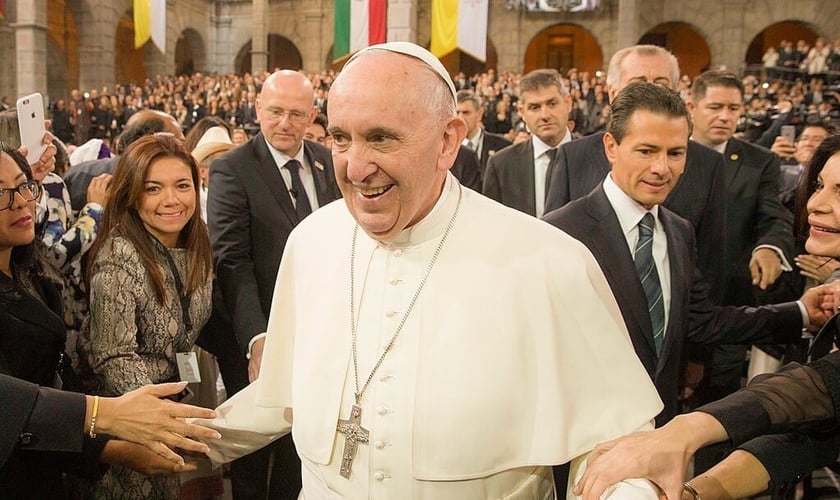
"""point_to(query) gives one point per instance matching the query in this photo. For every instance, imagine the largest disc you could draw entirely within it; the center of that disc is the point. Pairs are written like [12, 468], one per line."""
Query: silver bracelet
[691, 490]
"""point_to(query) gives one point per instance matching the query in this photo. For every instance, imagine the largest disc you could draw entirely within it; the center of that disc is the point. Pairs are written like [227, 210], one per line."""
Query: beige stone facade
[87, 50]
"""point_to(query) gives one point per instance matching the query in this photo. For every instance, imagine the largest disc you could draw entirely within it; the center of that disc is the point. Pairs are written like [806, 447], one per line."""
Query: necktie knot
[293, 166]
[646, 226]
[298, 192]
[551, 153]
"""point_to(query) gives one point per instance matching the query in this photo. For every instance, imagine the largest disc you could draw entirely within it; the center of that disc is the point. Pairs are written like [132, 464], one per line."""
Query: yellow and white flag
[460, 24]
[150, 22]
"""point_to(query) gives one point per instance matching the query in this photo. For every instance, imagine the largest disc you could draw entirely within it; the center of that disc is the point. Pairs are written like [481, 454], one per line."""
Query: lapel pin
[319, 165]
[734, 157]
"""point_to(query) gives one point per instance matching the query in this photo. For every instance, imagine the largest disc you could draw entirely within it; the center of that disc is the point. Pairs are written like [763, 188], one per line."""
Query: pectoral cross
[354, 434]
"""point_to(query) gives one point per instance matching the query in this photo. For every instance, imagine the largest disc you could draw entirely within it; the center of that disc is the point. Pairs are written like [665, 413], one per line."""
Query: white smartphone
[789, 133]
[30, 110]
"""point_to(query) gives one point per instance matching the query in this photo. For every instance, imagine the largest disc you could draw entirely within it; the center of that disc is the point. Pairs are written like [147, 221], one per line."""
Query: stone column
[313, 49]
[259, 38]
[222, 56]
[402, 21]
[31, 47]
[732, 43]
[628, 23]
[8, 77]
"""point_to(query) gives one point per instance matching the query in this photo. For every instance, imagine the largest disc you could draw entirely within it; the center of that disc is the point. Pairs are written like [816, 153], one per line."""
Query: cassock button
[382, 410]
[379, 445]
[395, 281]
[386, 378]
[390, 314]
[379, 476]
[398, 252]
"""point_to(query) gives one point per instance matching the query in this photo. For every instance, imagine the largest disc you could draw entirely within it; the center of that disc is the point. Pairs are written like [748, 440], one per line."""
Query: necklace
[354, 433]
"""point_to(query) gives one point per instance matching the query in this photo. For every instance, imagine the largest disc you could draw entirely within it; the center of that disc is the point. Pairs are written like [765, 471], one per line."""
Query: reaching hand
[661, 456]
[256, 359]
[141, 459]
[765, 267]
[141, 416]
[814, 267]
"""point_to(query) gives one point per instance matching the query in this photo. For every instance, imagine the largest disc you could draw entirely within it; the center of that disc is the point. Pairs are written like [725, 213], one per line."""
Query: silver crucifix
[354, 434]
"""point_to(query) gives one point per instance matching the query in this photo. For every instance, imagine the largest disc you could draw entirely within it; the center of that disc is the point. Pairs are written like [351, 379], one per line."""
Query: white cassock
[514, 357]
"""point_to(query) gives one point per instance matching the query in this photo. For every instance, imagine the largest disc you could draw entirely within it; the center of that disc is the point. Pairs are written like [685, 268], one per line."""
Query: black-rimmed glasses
[29, 191]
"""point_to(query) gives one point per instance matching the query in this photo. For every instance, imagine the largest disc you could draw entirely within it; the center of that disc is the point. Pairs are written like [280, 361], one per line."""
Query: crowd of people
[365, 249]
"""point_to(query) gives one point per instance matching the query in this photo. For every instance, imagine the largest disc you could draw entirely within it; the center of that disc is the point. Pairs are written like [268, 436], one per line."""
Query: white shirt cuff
[785, 264]
[261, 335]
[806, 320]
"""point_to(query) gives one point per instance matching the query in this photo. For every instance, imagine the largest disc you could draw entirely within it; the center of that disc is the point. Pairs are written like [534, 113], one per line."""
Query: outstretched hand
[141, 416]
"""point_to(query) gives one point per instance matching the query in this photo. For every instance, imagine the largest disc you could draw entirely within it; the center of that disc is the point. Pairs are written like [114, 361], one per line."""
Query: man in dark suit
[646, 144]
[699, 197]
[466, 169]
[662, 302]
[483, 143]
[759, 230]
[516, 175]
[258, 193]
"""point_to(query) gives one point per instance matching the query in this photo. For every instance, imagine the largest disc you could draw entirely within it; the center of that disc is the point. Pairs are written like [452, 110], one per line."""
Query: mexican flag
[358, 24]
[459, 24]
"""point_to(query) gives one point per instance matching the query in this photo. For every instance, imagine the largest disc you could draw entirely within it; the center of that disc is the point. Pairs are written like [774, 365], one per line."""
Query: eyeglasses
[29, 191]
[296, 116]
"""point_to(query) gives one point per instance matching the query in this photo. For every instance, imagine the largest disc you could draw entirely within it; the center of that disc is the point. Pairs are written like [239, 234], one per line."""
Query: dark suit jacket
[78, 178]
[250, 215]
[32, 415]
[755, 215]
[466, 169]
[592, 221]
[32, 338]
[509, 178]
[804, 399]
[492, 144]
[699, 196]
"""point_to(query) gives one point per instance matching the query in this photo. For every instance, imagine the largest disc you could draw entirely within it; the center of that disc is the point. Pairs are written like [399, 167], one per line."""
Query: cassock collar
[434, 224]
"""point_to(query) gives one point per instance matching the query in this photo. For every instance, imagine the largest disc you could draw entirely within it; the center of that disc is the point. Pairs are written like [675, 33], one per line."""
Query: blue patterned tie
[302, 206]
[646, 268]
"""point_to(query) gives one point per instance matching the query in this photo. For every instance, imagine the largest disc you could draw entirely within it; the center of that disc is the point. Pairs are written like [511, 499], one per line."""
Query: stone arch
[772, 35]
[685, 41]
[564, 46]
[62, 50]
[282, 54]
[190, 53]
[129, 63]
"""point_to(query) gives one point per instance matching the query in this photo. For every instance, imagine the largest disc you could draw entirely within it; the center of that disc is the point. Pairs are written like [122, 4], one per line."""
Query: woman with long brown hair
[149, 277]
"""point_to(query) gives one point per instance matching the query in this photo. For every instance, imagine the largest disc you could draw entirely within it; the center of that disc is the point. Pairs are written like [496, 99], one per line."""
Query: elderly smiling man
[460, 348]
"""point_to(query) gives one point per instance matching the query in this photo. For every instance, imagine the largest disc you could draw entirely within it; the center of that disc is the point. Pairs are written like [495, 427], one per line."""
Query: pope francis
[426, 342]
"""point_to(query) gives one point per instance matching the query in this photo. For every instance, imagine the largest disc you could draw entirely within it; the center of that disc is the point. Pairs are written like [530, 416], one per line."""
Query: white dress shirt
[541, 161]
[280, 159]
[629, 214]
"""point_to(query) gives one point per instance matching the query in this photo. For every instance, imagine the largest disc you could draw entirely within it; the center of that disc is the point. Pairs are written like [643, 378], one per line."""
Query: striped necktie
[649, 277]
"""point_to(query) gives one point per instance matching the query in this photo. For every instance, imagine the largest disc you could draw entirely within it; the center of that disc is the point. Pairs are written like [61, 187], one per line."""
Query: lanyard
[179, 285]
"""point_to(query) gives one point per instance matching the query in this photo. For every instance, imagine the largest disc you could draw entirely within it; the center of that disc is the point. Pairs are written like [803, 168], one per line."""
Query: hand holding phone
[30, 110]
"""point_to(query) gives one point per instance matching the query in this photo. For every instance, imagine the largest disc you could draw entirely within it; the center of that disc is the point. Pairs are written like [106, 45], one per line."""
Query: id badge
[188, 367]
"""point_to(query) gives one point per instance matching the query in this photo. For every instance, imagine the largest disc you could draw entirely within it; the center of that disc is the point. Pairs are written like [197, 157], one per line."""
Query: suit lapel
[676, 246]
[317, 167]
[269, 173]
[525, 174]
[733, 157]
[612, 246]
